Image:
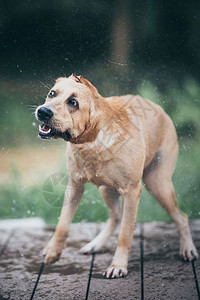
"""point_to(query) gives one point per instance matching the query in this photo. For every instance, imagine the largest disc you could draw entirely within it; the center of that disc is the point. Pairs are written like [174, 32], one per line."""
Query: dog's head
[69, 110]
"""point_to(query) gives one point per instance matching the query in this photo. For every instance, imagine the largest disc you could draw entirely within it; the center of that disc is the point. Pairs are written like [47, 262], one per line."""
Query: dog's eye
[72, 102]
[52, 94]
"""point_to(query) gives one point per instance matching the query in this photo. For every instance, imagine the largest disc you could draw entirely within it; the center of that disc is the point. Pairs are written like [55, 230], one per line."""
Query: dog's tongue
[44, 127]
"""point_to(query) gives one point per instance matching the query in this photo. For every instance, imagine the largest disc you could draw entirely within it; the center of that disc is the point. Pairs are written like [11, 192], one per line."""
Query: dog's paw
[90, 248]
[188, 251]
[115, 271]
[52, 251]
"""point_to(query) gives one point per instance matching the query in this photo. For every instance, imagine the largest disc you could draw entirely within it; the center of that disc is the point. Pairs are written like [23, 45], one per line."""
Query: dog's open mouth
[47, 132]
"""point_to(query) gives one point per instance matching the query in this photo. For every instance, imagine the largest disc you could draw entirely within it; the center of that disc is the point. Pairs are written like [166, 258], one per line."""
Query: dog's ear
[81, 79]
[76, 78]
[89, 85]
[60, 79]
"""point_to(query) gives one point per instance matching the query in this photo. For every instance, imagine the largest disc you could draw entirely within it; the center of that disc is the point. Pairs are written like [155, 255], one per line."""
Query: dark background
[53, 37]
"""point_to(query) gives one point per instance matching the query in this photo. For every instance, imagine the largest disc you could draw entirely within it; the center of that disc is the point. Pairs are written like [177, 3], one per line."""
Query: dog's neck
[88, 135]
[104, 127]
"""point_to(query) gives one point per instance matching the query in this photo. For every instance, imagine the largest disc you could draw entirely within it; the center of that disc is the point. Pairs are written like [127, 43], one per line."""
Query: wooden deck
[155, 270]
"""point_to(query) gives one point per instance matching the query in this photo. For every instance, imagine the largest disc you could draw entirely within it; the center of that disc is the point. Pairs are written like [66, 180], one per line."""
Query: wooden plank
[66, 279]
[120, 288]
[195, 228]
[165, 275]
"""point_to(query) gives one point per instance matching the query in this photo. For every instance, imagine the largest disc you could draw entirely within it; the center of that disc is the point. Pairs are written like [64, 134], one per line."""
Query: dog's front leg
[118, 267]
[111, 198]
[73, 194]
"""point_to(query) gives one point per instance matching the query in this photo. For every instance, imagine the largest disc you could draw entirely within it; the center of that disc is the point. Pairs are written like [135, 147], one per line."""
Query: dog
[114, 143]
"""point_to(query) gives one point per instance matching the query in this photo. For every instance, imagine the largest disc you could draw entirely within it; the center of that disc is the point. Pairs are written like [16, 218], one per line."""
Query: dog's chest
[89, 168]
[100, 169]
[91, 171]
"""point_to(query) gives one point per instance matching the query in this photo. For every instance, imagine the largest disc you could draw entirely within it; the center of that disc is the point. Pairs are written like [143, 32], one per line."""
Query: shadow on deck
[155, 270]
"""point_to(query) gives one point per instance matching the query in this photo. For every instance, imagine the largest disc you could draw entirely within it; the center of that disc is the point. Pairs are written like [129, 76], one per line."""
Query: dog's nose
[44, 114]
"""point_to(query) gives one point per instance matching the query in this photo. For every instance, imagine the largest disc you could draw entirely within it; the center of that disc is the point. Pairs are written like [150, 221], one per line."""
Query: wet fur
[115, 142]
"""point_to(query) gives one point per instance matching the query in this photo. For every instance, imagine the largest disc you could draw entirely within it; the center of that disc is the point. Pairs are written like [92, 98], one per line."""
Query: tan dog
[114, 143]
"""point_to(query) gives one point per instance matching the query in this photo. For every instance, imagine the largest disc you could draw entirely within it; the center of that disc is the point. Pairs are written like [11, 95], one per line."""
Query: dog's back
[151, 120]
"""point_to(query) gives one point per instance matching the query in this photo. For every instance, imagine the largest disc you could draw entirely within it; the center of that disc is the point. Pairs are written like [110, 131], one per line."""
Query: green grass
[19, 201]
[17, 127]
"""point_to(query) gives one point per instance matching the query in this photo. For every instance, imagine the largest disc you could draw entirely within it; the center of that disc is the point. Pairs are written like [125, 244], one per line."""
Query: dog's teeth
[43, 131]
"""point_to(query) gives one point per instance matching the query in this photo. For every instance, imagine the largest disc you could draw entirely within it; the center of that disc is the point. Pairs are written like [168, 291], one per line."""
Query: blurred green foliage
[18, 200]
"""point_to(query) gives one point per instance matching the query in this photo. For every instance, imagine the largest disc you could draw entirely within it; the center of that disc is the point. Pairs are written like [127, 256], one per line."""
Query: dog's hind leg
[111, 197]
[157, 179]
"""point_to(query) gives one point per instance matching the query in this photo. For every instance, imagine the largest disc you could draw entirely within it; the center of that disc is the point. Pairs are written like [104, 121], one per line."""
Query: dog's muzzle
[46, 130]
